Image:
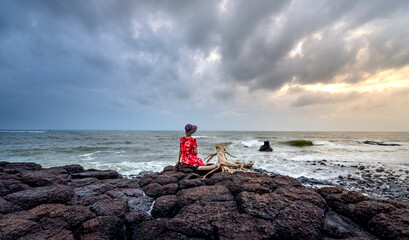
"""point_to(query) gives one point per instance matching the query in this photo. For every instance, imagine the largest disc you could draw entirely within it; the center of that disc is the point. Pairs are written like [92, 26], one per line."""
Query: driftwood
[223, 163]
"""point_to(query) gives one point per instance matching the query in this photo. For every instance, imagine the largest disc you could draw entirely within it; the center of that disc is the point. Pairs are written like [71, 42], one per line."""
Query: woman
[188, 148]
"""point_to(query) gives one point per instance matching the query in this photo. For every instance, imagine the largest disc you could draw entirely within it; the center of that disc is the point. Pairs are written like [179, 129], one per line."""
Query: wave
[203, 137]
[22, 131]
[252, 143]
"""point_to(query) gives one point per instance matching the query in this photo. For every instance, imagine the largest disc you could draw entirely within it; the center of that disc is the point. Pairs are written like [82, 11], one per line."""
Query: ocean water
[130, 152]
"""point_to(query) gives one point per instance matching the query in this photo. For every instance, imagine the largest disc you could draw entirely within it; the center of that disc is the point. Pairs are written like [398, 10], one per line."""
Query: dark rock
[186, 168]
[93, 189]
[136, 217]
[23, 166]
[146, 179]
[302, 194]
[361, 167]
[110, 208]
[204, 193]
[142, 203]
[169, 168]
[337, 226]
[380, 143]
[163, 180]
[11, 228]
[8, 186]
[103, 227]
[392, 225]
[266, 206]
[301, 220]
[72, 215]
[8, 207]
[266, 147]
[153, 189]
[287, 181]
[100, 174]
[75, 168]
[50, 235]
[91, 199]
[43, 178]
[189, 183]
[41, 195]
[82, 182]
[168, 189]
[164, 206]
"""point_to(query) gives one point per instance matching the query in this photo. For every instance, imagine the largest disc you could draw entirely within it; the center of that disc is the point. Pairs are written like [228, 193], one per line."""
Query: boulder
[392, 225]
[301, 220]
[203, 193]
[99, 174]
[8, 186]
[41, 195]
[8, 207]
[110, 208]
[72, 215]
[103, 227]
[266, 147]
[164, 206]
[11, 228]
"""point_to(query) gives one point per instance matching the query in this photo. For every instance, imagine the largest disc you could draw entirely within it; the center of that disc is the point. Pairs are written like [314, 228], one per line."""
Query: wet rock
[101, 174]
[136, 217]
[164, 206]
[143, 203]
[41, 195]
[393, 225]
[110, 208]
[302, 194]
[82, 182]
[380, 170]
[146, 179]
[43, 178]
[169, 168]
[266, 147]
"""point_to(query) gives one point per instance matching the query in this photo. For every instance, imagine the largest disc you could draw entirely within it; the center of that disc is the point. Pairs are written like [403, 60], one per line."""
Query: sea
[130, 152]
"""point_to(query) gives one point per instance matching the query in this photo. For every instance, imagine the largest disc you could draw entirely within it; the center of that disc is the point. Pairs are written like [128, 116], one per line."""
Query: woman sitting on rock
[188, 148]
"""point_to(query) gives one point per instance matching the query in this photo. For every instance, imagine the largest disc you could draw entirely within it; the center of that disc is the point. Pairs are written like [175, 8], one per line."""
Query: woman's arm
[195, 151]
[180, 154]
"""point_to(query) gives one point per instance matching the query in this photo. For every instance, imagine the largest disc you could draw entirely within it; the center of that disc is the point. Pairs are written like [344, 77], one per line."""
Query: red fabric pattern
[187, 145]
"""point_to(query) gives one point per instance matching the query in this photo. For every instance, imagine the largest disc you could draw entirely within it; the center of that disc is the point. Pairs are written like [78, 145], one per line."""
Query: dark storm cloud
[92, 56]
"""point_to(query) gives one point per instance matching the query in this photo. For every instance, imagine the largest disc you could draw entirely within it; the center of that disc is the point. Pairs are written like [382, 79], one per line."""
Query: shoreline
[69, 202]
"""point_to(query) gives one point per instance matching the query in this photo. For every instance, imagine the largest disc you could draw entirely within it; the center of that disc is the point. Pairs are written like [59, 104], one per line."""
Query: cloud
[140, 57]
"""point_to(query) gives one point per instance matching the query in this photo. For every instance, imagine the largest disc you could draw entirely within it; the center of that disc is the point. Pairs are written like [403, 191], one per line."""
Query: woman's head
[190, 129]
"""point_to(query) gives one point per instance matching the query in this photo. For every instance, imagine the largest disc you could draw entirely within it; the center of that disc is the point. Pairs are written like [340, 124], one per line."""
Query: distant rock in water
[266, 147]
[300, 143]
[380, 143]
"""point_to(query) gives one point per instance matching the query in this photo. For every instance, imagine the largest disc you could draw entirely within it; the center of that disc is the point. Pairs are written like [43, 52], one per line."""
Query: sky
[302, 65]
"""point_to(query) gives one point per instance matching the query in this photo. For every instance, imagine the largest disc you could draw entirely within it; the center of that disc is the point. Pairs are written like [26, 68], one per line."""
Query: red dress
[187, 145]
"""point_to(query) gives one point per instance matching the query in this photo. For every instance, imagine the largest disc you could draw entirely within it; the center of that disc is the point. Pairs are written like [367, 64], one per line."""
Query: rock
[8, 207]
[91, 199]
[41, 195]
[146, 179]
[336, 226]
[75, 168]
[203, 193]
[11, 228]
[82, 182]
[153, 189]
[101, 174]
[103, 227]
[168, 189]
[169, 168]
[163, 180]
[8, 186]
[287, 181]
[43, 178]
[361, 167]
[266, 147]
[380, 143]
[301, 220]
[72, 215]
[164, 206]
[392, 225]
[189, 183]
[380, 170]
[93, 189]
[136, 217]
[266, 206]
[110, 207]
[50, 235]
[142, 204]
[302, 194]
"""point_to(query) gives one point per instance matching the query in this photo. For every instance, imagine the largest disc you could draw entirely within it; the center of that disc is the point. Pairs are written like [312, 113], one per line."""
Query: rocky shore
[69, 202]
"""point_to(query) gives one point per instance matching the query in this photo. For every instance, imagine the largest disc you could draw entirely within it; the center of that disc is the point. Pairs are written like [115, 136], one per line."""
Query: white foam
[203, 137]
[252, 143]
